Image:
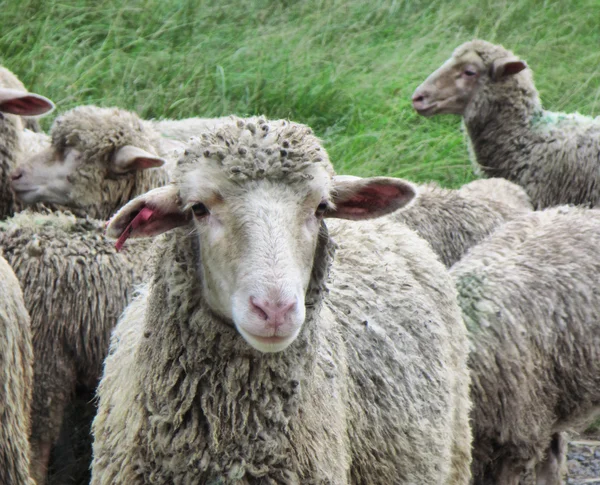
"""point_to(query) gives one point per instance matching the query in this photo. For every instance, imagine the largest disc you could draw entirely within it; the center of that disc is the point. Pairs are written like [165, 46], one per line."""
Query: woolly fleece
[373, 390]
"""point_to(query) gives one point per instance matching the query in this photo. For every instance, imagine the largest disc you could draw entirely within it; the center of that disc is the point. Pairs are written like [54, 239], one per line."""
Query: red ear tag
[142, 217]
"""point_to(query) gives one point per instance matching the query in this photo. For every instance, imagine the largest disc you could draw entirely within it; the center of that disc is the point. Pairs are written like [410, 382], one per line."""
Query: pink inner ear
[141, 163]
[142, 218]
[372, 197]
[25, 106]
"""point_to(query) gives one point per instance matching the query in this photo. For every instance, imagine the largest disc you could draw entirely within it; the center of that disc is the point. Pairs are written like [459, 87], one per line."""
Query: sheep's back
[529, 296]
[452, 222]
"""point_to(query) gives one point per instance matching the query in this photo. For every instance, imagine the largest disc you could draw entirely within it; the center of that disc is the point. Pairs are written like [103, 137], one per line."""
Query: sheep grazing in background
[452, 221]
[529, 297]
[15, 101]
[242, 361]
[16, 358]
[554, 156]
[75, 286]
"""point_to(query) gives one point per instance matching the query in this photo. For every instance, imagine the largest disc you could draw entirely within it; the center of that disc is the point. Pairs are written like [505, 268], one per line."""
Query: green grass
[347, 68]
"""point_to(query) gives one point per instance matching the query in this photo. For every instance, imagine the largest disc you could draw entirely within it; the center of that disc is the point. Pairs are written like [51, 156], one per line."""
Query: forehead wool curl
[99, 132]
[256, 148]
[487, 51]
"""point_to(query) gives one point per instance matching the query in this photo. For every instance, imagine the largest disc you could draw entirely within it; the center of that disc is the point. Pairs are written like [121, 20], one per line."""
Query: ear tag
[142, 217]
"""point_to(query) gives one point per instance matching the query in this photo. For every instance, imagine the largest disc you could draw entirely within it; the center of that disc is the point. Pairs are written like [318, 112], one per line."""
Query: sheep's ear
[506, 66]
[130, 158]
[148, 215]
[358, 198]
[23, 103]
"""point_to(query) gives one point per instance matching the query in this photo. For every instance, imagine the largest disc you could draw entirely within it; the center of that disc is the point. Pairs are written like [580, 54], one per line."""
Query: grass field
[347, 68]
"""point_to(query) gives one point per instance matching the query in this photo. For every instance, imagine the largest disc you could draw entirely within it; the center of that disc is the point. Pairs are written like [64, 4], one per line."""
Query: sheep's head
[92, 164]
[450, 89]
[255, 195]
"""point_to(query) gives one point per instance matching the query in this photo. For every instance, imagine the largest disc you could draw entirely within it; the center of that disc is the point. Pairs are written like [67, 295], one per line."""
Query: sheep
[99, 156]
[75, 286]
[16, 373]
[99, 159]
[452, 221]
[499, 190]
[529, 297]
[553, 156]
[15, 101]
[242, 361]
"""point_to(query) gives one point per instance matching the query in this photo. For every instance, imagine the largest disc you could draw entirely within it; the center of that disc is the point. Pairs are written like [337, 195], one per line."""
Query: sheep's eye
[200, 210]
[469, 73]
[321, 208]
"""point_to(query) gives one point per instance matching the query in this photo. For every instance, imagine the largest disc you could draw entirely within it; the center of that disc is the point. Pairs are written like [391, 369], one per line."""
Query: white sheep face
[257, 244]
[45, 177]
[257, 235]
[67, 178]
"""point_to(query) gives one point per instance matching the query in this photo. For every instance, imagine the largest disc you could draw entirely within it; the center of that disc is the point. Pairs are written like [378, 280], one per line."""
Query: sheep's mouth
[26, 194]
[427, 110]
[269, 340]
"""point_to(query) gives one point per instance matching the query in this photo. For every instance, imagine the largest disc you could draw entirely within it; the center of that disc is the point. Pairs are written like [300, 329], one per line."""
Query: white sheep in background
[16, 374]
[554, 156]
[14, 145]
[452, 221]
[111, 150]
[242, 361]
[530, 300]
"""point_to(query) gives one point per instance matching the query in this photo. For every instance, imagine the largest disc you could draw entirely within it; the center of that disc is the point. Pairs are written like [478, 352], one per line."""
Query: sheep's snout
[17, 174]
[269, 323]
[273, 312]
[422, 101]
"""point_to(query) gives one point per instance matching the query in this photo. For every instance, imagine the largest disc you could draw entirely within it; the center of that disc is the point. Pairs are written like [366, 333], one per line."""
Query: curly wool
[373, 390]
[255, 149]
[554, 156]
[530, 302]
[452, 221]
[16, 373]
[75, 286]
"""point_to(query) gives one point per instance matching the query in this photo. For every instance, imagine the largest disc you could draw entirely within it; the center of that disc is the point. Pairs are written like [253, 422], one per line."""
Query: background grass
[347, 68]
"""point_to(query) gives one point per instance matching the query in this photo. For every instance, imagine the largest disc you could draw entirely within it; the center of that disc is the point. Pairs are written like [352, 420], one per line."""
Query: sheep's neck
[500, 131]
[202, 369]
[116, 193]
[9, 147]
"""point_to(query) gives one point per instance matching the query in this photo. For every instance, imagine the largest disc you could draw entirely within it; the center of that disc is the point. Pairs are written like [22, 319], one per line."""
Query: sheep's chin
[268, 344]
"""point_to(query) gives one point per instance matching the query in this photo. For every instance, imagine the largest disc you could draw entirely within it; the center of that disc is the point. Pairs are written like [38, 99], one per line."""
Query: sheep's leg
[40, 455]
[509, 474]
[552, 469]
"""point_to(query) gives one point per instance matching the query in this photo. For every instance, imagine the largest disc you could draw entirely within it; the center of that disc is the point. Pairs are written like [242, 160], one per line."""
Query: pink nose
[273, 312]
[17, 174]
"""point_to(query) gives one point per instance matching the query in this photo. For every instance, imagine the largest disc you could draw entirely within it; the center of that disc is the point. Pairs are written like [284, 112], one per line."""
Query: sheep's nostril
[17, 174]
[418, 99]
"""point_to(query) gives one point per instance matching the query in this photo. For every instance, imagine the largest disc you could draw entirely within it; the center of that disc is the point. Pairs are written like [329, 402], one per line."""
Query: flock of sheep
[421, 336]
